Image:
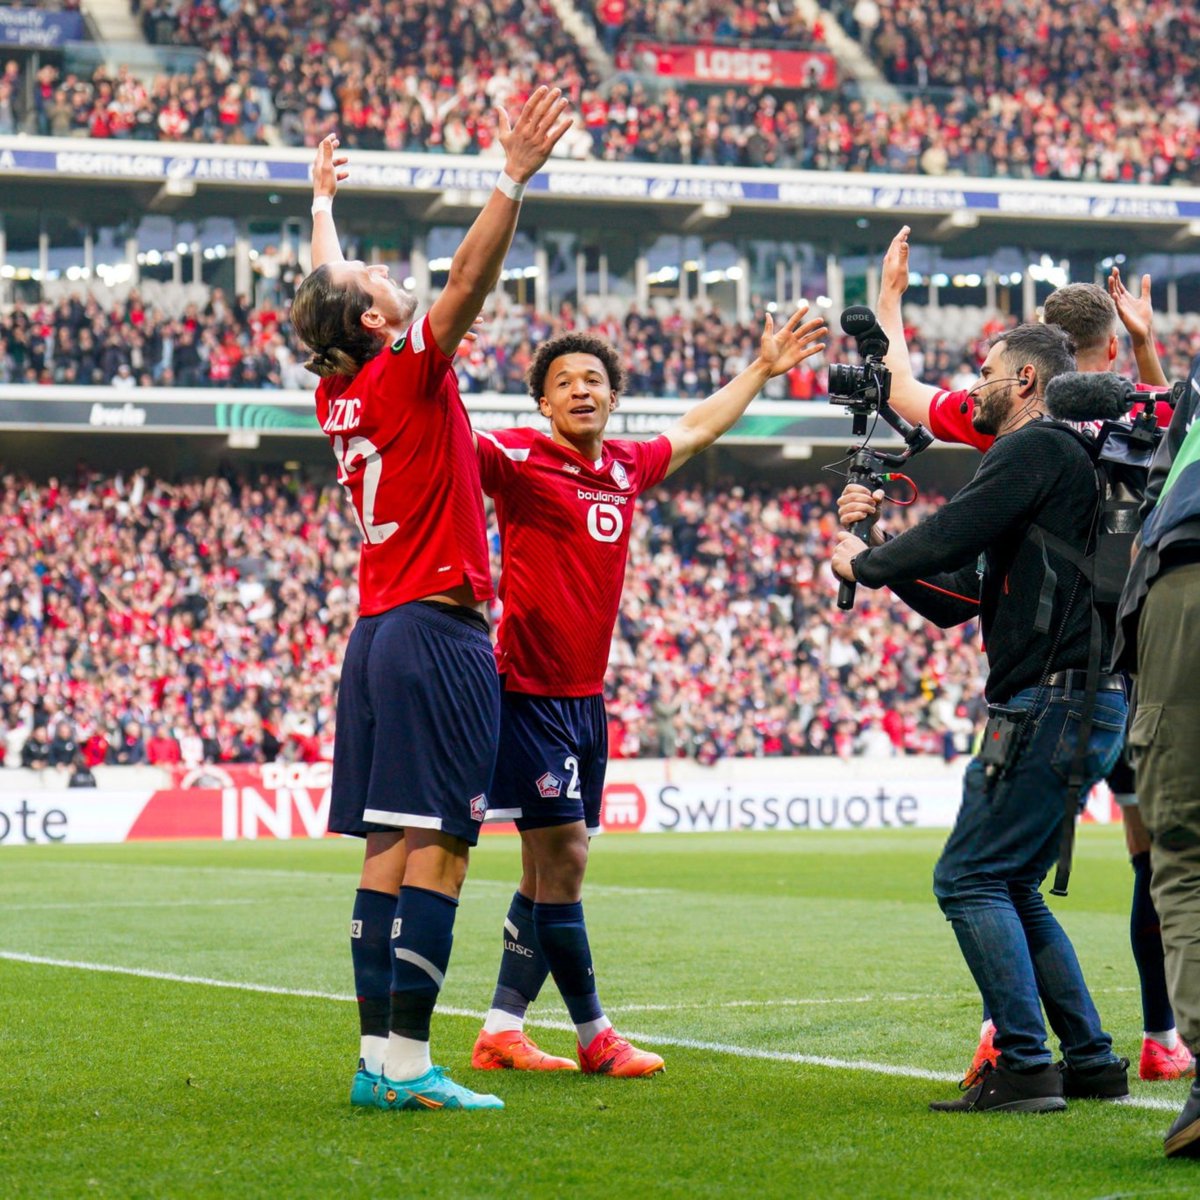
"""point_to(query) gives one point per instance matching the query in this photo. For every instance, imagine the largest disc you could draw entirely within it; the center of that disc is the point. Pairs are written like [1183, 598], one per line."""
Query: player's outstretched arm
[328, 172]
[1137, 315]
[910, 397]
[778, 354]
[475, 270]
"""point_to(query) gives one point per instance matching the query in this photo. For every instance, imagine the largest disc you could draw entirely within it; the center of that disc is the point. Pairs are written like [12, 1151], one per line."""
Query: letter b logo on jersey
[605, 523]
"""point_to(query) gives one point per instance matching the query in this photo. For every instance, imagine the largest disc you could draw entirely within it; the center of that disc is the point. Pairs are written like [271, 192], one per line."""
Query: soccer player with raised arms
[564, 504]
[418, 704]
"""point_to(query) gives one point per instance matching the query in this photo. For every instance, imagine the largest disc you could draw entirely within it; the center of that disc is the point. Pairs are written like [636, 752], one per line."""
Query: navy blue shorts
[418, 719]
[553, 754]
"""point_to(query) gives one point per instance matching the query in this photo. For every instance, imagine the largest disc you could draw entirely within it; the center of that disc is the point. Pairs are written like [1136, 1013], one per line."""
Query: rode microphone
[1090, 396]
[859, 322]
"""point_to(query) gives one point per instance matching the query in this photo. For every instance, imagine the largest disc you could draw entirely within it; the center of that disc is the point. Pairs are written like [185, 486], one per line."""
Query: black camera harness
[1085, 566]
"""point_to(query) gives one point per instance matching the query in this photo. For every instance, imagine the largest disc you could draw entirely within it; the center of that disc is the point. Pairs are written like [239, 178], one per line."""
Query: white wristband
[322, 204]
[510, 187]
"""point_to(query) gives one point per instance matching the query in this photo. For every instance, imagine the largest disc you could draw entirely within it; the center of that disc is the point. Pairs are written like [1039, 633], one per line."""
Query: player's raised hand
[470, 337]
[894, 274]
[1136, 312]
[329, 167]
[527, 144]
[794, 342]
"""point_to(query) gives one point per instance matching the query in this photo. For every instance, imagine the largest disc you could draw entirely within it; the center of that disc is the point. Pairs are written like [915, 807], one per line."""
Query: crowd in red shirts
[729, 642]
[774, 21]
[1059, 91]
[222, 343]
[144, 622]
[226, 343]
[1085, 92]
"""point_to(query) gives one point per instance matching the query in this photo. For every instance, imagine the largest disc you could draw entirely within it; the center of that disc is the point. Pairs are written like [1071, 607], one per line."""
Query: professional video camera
[866, 390]
[1126, 431]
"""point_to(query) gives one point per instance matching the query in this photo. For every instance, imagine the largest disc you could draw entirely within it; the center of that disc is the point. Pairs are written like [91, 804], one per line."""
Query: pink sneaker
[1160, 1063]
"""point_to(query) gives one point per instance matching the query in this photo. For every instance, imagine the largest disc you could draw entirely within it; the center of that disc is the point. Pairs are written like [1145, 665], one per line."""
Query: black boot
[1110, 1081]
[1183, 1138]
[1002, 1090]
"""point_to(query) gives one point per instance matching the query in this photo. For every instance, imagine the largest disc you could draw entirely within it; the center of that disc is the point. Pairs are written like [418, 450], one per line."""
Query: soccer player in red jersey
[1089, 315]
[565, 503]
[1082, 309]
[418, 703]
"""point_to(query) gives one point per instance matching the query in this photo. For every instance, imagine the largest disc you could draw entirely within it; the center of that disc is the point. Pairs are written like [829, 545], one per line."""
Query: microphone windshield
[1089, 396]
[859, 322]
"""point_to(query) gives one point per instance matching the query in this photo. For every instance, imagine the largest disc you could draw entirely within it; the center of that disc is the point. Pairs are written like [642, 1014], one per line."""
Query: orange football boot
[985, 1052]
[512, 1050]
[611, 1054]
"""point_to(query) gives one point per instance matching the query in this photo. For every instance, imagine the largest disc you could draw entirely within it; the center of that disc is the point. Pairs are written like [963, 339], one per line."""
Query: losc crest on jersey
[620, 478]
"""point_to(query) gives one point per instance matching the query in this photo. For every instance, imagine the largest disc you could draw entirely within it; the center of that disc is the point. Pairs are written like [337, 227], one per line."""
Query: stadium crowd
[227, 343]
[1084, 94]
[1088, 90]
[780, 22]
[149, 622]
[223, 343]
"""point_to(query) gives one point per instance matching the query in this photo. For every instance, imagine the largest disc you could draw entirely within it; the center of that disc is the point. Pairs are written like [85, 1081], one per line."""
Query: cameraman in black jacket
[974, 559]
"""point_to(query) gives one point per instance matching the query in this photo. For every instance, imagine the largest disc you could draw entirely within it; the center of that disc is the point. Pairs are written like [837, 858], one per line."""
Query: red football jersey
[564, 537]
[402, 441]
[950, 417]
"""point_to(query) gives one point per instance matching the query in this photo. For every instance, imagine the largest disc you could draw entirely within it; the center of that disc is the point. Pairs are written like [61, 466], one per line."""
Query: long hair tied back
[327, 317]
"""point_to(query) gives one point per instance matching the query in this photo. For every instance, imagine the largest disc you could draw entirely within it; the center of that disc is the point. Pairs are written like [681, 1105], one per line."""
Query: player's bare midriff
[461, 595]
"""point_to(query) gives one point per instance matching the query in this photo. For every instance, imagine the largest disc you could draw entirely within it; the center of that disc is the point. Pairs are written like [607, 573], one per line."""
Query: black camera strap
[1085, 564]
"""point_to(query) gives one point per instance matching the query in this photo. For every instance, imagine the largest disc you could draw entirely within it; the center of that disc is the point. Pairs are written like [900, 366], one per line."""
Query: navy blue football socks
[523, 967]
[421, 939]
[371, 952]
[1145, 935]
[562, 935]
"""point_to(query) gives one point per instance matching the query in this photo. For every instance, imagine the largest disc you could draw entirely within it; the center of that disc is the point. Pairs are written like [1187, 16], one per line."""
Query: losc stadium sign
[291, 800]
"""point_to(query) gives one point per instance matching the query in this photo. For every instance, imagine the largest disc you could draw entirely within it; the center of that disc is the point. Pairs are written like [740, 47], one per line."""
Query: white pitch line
[822, 1001]
[735, 1051]
[786, 1002]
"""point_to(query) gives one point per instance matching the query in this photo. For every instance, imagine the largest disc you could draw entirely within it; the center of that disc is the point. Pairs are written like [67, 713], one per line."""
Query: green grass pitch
[744, 958]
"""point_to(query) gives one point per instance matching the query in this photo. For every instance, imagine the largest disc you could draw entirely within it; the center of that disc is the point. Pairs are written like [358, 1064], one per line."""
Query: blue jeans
[1005, 839]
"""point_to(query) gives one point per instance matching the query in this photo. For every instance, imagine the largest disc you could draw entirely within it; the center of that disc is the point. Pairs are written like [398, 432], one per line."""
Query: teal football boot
[362, 1091]
[432, 1090]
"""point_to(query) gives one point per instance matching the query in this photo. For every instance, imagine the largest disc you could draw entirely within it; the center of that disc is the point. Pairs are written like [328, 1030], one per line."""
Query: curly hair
[575, 343]
[327, 317]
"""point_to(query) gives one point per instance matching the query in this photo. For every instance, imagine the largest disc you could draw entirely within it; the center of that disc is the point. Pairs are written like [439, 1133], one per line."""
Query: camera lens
[845, 380]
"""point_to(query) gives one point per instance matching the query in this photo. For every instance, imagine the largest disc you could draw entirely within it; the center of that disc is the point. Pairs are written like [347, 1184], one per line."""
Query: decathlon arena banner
[291, 800]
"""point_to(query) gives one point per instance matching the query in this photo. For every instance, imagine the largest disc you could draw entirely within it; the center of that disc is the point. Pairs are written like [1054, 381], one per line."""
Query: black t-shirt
[1039, 474]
